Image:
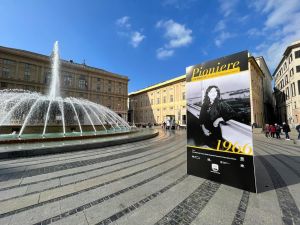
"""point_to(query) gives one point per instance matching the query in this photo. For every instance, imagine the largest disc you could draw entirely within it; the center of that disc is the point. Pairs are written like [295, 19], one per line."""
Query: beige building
[158, 102]
[287, 85]
[167, 99]
[21, 69]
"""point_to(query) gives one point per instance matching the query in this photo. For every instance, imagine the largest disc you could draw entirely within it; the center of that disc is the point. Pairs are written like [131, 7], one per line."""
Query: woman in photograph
[214, 113]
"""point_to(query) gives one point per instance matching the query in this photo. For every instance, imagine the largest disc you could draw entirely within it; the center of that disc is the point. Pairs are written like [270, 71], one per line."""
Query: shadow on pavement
[276, 171]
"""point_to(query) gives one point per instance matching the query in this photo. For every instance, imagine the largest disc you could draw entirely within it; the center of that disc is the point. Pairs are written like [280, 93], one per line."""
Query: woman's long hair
[206, 101]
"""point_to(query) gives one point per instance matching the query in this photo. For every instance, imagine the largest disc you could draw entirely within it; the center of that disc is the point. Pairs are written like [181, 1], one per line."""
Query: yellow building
[287, 85]
[21, 69]
[156, 103]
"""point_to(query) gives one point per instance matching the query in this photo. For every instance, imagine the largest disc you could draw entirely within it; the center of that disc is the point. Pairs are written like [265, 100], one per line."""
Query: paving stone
[12, 193]
[148, 203]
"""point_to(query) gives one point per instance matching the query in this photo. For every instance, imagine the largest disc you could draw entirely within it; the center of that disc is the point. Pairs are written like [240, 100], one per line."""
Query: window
[286, 80]
[27, 75]
[98, 79]
[5, 72]
[292, 72]
[68, 80]
[183, 95]
[164, 99]
[82, 83]
[297, 69]
[284, 66]
[109, 89]
[98, 88]
[299, 87]
[47, 77]
[27, 66]
[171, 98]
[293, 89]
[8, 62]
[3, 84]
[290, 58]
[287, 93]
[151, 101]
[27, 72]
[158, 101]
[297, 54]
[281, 84]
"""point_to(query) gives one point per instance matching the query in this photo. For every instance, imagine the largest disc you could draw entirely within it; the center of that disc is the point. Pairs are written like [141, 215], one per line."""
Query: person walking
[278, 130]
[286, 129]
[298, 129]
[272, 131]
[168, 125]
[267, 130]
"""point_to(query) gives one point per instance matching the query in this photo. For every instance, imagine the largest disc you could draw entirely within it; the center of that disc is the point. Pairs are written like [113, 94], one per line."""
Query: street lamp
[132, 100]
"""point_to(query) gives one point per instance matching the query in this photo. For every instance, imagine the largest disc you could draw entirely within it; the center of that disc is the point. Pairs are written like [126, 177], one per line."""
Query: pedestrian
[164, 125]
[267, 130]
[278, 130]
[286, 129]
[168, 124]
[298, 129]
[272, 130]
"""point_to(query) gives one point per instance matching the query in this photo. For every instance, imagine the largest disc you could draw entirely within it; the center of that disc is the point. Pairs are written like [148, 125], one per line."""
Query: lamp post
[132, 101]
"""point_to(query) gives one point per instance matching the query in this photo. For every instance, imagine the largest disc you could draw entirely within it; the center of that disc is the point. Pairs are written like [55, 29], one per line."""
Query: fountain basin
[30, 148]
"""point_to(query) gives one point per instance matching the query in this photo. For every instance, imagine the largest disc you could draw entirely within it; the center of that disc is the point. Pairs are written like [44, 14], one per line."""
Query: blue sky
[150, 41]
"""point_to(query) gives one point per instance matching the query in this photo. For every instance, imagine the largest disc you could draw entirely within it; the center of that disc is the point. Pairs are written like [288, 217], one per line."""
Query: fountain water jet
[33, 115]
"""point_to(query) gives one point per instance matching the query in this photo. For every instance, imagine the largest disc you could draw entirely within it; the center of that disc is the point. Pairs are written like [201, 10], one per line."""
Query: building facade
[287, 86]
[31, 71]
[268, 96]
[157, 103]
[167, 100]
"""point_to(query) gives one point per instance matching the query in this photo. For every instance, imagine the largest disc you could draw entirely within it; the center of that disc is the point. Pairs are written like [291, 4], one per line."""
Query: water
[55, 84]
[26, 114]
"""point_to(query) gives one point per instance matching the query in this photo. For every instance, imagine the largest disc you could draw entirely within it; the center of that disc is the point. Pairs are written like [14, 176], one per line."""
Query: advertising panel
[219, 133]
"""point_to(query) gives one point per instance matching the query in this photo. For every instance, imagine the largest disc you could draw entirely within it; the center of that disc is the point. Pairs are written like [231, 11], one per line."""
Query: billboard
[219, 134]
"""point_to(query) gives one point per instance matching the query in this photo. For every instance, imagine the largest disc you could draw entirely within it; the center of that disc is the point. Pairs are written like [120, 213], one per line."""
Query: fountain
[26, 115]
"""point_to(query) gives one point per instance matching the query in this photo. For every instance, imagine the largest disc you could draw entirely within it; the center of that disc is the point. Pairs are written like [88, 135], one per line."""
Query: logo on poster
[215, 167]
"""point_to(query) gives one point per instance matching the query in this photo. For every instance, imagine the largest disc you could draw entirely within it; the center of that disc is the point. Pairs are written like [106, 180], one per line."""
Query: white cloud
[177, 34]
[256, 32]
[123, 22]
[178, 4]
[219, 40]
[125, 30]
[227, 6]
[136, 38]
[163, 53]
[282, 27]
[220, 26]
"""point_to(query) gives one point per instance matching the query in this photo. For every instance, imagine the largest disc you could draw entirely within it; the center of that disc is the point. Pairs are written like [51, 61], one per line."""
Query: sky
[150, 41]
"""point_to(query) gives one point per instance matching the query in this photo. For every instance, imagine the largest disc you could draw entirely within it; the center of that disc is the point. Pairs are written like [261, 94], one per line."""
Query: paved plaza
[146, 183]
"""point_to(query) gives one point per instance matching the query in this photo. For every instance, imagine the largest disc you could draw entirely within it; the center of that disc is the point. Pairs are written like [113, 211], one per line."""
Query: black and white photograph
[219, 110]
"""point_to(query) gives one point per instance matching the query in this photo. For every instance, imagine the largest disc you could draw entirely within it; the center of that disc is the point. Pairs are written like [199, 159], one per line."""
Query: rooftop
[66, 62]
